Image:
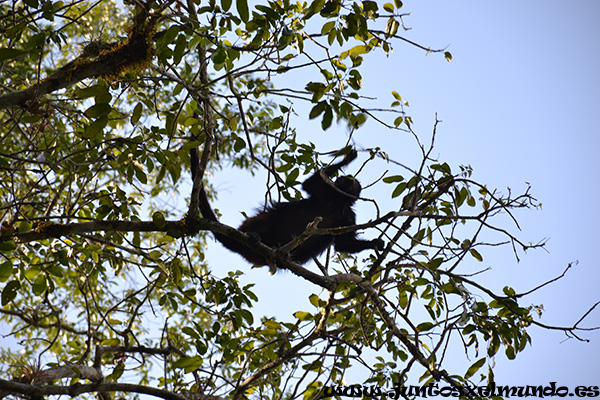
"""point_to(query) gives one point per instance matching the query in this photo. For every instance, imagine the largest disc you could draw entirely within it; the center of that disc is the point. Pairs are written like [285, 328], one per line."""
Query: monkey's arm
[333, 168]
[316, 184]
[348, 243]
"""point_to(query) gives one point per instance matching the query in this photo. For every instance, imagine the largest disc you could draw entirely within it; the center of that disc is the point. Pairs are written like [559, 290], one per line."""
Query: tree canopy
[105, 285]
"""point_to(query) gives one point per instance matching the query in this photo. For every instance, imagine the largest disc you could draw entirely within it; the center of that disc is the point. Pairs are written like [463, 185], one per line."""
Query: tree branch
[77, 389]
[119, 57]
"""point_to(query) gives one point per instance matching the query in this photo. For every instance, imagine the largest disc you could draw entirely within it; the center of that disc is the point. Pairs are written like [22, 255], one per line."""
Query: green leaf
[448, 56]
[510, 352]
[180, 48]
[330, 8]
[358, 119]
[275, 124]
[274, 324]
[403, 299]
[315, 300]
[137, 113]
[117, 372]
[327, 118]
[303, 316]
[393, 178]
[315, 7]
[290, 179]
[190, 332]
[99, 92]
[318, 90]
[219, 56]
[6, 269]
[190, 122]
[159, 220]
[176, 270]
[95, 128]
[331, 36]
[476, 255]
[370, 9]
[239, 144]
[391, 27]
[98, 110]
[269, 12]
[110, 342]
[317, 110]
[356, 50]
[424, 327]
[327, 27]
[450, 288]
[242, 8]
[389, 7]
[7, 246]
[474, 368]
[461, 196]
[39, 285]
[494, 346]
[355, 81]
[170, 34]
[10, 292]
[435, 263]
[445, 168]
[141, 175]
[284, 167]
[225, 5]
[8, 54]
[399, 189]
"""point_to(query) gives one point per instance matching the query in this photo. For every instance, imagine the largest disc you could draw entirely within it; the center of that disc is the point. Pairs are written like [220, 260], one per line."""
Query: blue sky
[519, 103]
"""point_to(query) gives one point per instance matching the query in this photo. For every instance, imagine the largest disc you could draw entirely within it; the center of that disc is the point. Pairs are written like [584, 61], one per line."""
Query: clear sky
[519, 103]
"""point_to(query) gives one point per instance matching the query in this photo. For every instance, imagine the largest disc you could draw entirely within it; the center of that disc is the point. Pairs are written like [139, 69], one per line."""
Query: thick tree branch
[49, 231]
[136, 50]
[10, 387]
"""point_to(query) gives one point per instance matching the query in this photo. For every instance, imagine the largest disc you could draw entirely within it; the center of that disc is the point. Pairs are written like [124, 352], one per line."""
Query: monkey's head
[349, 185]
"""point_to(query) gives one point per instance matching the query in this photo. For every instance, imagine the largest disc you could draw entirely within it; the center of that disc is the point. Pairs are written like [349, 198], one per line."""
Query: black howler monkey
[282, 221]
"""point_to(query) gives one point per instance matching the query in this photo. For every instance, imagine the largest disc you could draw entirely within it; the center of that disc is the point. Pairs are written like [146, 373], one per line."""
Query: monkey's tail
[194, 162]
[205, 208]
[208, 213]
[204, 205]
